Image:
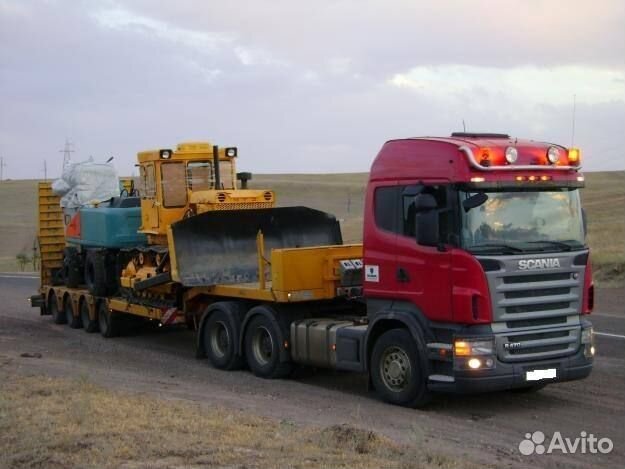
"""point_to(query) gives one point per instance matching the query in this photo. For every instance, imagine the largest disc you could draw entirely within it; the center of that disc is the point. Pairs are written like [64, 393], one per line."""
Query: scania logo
[512, 345]
[534, 264]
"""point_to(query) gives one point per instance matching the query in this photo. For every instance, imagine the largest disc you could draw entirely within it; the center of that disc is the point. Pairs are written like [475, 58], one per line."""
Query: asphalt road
[486, 429]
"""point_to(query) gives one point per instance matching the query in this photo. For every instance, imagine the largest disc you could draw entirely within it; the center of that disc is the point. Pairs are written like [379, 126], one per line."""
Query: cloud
[523, 85]
[303, 87]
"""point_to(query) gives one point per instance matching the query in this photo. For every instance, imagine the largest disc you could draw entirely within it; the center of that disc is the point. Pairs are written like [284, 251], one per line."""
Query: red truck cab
[476, 245]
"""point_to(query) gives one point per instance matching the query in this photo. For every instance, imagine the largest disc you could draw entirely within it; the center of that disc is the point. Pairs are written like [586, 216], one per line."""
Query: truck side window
[409, 214]
[174, 184]
[385, 208]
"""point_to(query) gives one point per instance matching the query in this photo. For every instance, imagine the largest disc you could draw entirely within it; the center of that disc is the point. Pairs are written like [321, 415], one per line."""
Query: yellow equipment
[206, 236]
[195, 178]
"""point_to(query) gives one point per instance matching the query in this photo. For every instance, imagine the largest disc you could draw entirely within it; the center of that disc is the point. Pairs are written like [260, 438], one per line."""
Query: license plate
[537, 375]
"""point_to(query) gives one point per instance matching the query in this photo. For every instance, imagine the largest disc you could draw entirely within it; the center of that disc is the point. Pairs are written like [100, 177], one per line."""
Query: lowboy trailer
[473, 275]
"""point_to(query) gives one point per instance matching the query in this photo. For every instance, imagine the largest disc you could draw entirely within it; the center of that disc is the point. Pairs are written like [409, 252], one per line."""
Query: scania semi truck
[473, 275]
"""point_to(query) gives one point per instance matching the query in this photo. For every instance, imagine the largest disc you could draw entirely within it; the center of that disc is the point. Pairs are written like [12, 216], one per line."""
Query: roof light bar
[575, 158]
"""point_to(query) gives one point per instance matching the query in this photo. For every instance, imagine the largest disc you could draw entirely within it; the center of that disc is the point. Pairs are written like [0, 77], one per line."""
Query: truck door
[149, 201]
[380, 239]
[423, 273]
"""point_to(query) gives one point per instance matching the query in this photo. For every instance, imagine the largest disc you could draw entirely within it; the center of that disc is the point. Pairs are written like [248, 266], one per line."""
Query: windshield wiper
[506, 247]
[560, 244]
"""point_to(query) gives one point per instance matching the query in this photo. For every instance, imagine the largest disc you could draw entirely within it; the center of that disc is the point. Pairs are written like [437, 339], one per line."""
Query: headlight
[512, 154]
[588, 342]
[231, 152]
[469, 347]
[474, 354]
[553, 155]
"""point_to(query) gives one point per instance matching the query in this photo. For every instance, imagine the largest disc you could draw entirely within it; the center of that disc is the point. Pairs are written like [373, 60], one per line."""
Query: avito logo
[535, 443]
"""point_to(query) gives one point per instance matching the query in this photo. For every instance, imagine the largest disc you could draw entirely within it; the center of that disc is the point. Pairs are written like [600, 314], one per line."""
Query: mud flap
[220, 247]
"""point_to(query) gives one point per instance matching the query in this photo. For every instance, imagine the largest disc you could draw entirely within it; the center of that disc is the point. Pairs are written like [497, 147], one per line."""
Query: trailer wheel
[58, 316]
[220, 339]
[73, 321]
[397, 371]
[90, 325]
[107, 322]
[262, 349]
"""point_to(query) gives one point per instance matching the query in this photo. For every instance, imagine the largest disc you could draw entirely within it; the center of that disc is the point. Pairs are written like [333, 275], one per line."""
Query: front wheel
[398, 373]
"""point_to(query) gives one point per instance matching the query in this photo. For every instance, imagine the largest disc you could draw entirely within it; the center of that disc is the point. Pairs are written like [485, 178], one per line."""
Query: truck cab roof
[467, 157]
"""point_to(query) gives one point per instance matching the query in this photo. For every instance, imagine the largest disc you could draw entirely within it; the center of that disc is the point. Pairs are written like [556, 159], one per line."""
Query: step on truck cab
[475, 245]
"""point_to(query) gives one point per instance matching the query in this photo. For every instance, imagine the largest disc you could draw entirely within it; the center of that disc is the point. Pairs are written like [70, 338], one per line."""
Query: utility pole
[2, 166]
[573, 124]
[45, 170]
[67, 151]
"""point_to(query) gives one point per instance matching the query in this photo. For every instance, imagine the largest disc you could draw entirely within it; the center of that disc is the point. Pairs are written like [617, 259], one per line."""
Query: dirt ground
[482, 430]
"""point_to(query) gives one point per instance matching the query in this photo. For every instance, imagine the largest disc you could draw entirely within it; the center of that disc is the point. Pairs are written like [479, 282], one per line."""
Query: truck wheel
[397, 370]
[262, 349]
[220, 339]
[58, 317]
[90, 325]
[95, 273]
[107, 322]
[73, 321]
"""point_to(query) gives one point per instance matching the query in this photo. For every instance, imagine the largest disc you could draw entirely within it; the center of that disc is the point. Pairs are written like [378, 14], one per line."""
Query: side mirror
[474, 201]
[585, 222]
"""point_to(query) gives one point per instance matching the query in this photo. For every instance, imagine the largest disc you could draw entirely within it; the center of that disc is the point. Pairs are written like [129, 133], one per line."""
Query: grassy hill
[343, 195]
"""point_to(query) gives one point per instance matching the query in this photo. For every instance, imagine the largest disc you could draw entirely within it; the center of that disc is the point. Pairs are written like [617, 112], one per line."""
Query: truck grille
[538, 345]
[536, 313]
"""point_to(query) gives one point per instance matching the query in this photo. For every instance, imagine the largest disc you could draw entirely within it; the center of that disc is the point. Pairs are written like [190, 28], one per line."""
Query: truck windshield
[513, 222]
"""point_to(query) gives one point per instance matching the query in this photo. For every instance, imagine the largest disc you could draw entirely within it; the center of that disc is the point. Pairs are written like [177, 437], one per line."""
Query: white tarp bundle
[86, 183]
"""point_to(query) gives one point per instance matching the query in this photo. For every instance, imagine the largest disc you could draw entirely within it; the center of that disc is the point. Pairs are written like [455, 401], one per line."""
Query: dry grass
[604, 202]
[56, 423]
[343, 195]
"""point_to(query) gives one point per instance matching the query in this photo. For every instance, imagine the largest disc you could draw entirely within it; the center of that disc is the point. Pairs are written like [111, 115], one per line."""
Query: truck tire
[58, 316]
[73, 321]
[220, 337]
[107, 322]
[73, 269]
[262, 349]
[88, 324]
[397, 369]
[95, 272]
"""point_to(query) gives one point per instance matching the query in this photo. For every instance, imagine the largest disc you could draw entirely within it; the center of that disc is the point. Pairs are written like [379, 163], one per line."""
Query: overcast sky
[313, 86]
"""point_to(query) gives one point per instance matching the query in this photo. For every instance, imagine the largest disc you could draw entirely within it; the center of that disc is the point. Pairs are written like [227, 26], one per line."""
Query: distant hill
[343, 195]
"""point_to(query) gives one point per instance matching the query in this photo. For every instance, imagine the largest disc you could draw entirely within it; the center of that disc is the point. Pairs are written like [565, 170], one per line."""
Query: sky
[314, 86]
